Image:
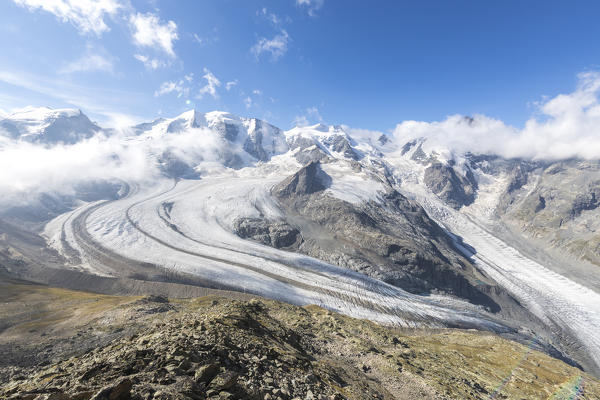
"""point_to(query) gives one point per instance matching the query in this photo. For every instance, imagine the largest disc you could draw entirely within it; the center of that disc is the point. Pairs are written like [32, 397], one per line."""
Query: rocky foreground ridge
[107, 347]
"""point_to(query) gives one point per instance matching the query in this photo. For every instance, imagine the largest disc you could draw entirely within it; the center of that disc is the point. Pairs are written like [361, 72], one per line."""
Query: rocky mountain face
[219, 348]
[552, 202]
[557, 203]
[394, 240]
[456, 190]
[238, 141]
[319, 142]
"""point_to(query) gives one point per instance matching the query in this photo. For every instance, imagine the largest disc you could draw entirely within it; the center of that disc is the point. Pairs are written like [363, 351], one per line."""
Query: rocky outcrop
[586, 201]
[557, 203]
[217, 348]
[320, 147]
[308, 180]
[341, 144]
[393, 240]
[278, 234]
[455, 189]
[519, 173]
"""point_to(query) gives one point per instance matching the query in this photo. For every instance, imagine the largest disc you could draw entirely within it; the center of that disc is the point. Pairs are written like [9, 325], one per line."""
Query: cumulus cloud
[248, 102]
[311, 6]
[149, 31]
[88, 16]
[566, 126]
[212, 83]
[277, 46]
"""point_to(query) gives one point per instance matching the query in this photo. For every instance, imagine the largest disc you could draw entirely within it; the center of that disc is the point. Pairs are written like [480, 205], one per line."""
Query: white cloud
[312, 6]
[148, 31]
[28, 169]
[151, 63]
[276, 46]
[310, 116]
[178, 87]
[256, 92]
[87, 15]
[231, 84]
[212, 83]
[363, 134]
[89, 62]
[565, 126]
[248, 102]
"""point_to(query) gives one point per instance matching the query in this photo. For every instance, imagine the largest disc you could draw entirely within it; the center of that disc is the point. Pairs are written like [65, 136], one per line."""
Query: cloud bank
[566, 126]
[29, 169]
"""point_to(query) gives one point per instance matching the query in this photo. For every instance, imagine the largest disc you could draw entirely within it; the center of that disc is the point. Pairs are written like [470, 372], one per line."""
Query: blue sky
[368, 64]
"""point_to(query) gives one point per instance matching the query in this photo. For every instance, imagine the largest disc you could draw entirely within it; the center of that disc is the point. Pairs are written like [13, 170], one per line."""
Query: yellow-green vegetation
[214, 347]
[457, 363]
[27, 309]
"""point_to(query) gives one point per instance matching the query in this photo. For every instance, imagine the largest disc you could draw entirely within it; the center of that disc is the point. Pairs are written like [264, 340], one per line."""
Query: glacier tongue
[184, 228]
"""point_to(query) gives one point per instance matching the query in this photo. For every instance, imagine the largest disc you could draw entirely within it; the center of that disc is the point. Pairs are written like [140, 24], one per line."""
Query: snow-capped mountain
[46, 125]
[397, 230]
[258, 138]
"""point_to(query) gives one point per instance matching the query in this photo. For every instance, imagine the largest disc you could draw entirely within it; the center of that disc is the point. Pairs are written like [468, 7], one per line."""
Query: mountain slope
[46, 125]
[214, 347]
[389, 237]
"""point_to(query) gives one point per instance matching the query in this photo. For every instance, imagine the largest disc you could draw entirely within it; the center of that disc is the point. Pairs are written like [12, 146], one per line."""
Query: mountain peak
[309, 179]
